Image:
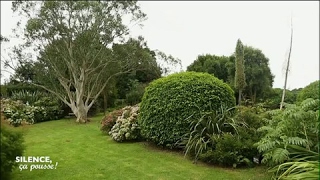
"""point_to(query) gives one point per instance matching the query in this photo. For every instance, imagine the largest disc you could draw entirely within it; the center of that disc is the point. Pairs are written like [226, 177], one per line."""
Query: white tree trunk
[287, 70]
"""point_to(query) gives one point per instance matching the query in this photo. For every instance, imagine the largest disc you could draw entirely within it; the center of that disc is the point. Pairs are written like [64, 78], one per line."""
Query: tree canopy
[82, 45]
[258, 76]
[212, 64]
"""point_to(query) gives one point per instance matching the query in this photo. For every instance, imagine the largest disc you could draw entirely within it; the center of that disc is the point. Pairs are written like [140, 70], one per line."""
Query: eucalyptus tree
[73, 39]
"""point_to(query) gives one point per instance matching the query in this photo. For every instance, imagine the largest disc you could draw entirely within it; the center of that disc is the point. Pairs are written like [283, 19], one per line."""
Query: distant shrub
[126, 127]
[274, 96]
[28, 96]
[17, 112]
[168, 103]
[14, 111]
[14, 88]
[310, 91]
[11, 146]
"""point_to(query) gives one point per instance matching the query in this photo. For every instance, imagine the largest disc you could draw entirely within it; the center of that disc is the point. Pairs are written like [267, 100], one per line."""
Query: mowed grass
[83, 152]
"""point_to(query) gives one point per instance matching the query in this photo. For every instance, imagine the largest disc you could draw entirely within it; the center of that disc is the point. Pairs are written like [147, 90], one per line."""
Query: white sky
[188, 29]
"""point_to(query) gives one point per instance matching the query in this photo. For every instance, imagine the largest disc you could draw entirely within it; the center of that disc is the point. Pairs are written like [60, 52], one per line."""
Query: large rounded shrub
[170, 103]
[310, 91]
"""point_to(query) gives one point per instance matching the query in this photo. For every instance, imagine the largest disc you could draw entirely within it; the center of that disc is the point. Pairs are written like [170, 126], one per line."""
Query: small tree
[240, 80]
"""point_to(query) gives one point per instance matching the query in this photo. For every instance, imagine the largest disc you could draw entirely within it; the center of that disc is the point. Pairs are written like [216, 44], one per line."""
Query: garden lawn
[83, 152]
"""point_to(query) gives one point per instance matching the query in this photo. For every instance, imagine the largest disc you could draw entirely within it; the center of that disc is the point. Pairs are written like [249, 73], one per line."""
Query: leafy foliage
[27, 96]
[257, 71]
[168, 102]
[296, 125]
[212, 64]
[207, 129]
[11, 146]
[310, 91]
[229, 150]
[126, 127]
[16, 87]
[259, 78]
[225, 137]
[136, 94]
[273, 98]
[304, 164]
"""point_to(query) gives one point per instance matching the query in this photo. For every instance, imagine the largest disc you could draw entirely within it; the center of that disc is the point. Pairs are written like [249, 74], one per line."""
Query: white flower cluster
[126, 127]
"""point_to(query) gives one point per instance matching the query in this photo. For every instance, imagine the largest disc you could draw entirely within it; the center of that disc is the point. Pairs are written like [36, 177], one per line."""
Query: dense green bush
[310, 91]
[11, 146]
[229, 150]
[126, 127]
[226, 138]
[52, 109]
[205, 131]
[169, 102]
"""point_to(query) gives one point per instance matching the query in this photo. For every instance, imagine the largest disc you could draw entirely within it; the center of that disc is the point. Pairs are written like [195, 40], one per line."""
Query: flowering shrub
[110, 120]
[18, 113]
[14, 111]
[126, 127]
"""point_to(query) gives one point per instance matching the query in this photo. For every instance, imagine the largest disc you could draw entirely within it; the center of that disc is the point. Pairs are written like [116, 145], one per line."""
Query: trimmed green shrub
[11, 146]
[169, 102]
[310, 91]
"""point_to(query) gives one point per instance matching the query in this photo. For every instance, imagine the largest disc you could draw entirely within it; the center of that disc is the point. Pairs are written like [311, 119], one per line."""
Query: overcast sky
[188, 29]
